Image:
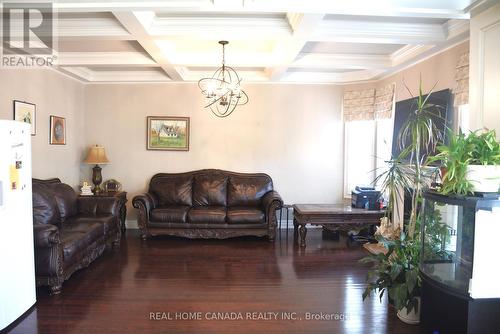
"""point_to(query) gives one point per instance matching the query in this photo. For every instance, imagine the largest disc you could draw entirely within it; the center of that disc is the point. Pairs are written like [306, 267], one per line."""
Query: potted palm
[395, 271]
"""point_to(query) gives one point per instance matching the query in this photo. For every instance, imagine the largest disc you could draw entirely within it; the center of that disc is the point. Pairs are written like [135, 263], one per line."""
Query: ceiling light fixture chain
[223, 89]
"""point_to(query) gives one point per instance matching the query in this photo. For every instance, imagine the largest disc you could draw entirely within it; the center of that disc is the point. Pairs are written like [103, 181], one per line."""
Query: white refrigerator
[17, 265]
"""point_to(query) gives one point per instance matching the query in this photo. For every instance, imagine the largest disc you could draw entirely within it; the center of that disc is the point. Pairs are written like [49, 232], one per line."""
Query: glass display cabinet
[459, 263]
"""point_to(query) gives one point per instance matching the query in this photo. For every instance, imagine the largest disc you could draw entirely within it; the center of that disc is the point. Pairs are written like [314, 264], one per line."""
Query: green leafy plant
[485, 149]
[437, 235]
[396, 272]
[455, 158]
[478, 148]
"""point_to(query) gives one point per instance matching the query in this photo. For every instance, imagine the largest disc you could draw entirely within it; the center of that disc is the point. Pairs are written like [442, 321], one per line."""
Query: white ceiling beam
[247, 76]
[454, 28]
[407, 53]
[287, 49]
[95, 28]
[220, 27]
[136, 24]
[341, 61]
[451, 9]
[108, 59]
[325, 77]
[89, 75]
[81, 73]
[359, 31]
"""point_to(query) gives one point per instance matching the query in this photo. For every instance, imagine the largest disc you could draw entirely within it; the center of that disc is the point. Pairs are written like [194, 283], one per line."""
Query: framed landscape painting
[25, 112]
[57, 130]
[168, 133]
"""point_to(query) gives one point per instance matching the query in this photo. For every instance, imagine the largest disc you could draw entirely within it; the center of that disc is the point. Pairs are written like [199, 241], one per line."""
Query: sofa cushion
[210, 189]
[248, 190]
[170, 214]
[172, 189]
[45, 209]
[77, 237]
[66, 199]
[207, 215]
[108, 221]
[245, 215]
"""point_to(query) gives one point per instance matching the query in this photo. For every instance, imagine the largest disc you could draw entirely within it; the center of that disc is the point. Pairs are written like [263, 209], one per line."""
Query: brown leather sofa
[208, 203]
[69, 231]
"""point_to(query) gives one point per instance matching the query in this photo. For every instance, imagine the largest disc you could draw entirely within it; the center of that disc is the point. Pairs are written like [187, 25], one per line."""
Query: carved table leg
[295, 229]
[303, 233]
[55, 289]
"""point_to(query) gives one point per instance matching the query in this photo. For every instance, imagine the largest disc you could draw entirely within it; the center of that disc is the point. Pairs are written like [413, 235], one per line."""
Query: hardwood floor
[247, 277]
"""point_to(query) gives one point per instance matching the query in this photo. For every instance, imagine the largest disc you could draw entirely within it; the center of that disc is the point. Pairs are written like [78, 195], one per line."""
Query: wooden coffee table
[336, 217]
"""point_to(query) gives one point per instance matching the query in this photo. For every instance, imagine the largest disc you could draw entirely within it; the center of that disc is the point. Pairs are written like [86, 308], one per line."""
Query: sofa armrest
[45, 235]
[147, 200]
[272, 200]
[98, 205]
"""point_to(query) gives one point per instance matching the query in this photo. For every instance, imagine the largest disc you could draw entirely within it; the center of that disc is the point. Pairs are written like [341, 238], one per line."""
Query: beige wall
[438, 69]
[291, 132]
[53, 94]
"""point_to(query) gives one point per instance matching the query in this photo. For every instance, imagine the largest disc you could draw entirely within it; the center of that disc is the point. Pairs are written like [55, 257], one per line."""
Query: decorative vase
[412, 318]
[484, 179]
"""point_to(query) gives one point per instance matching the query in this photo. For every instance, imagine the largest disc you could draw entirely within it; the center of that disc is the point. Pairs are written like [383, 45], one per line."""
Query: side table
[122, 208]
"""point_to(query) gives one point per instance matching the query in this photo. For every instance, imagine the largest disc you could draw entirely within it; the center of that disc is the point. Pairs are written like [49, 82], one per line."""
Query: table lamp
[96, 156]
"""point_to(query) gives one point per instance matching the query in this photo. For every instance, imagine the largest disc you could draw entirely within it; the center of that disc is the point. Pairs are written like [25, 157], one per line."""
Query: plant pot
[484, 179]
[412, 318]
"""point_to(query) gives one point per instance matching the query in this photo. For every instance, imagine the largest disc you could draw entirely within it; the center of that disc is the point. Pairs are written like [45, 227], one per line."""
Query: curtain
[384, 102]
[359, 105]
[461, 90]
[369, 104]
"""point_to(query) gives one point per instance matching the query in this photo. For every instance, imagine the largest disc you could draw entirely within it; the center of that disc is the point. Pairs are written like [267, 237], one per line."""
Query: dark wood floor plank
[117, 292]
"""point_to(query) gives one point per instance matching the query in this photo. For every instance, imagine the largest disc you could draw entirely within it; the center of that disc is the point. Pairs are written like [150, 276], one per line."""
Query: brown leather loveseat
[208, 203]
[69, 231]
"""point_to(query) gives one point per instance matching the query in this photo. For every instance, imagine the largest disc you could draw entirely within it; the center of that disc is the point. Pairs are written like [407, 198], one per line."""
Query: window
[367, 145]
[463, 118]
[359, 153]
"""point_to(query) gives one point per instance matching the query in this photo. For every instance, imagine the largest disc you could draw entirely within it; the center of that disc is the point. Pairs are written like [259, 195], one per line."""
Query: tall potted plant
[396, 270]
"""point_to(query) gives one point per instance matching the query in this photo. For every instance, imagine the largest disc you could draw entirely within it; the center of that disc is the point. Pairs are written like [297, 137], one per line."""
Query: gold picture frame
[167, 133]
[57, 130]
[25, 112]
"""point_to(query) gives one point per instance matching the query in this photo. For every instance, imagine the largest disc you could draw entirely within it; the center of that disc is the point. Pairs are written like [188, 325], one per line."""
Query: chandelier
[223, 89]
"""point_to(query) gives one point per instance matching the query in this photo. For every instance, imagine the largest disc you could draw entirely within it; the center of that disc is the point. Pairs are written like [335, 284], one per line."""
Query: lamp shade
[96, 156]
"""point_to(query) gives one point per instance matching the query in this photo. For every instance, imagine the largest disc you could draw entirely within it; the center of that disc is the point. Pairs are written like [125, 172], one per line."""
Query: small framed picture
[25, 112]
[57, 130]
[168, 133]
[112, 185]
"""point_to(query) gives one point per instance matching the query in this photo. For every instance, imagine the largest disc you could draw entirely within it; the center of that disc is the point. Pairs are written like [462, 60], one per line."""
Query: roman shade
[368, 104]
[384, 102]
[358, 105]
[461, 90]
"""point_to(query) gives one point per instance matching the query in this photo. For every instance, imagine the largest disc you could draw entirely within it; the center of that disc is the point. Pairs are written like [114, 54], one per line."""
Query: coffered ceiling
[269, 40]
